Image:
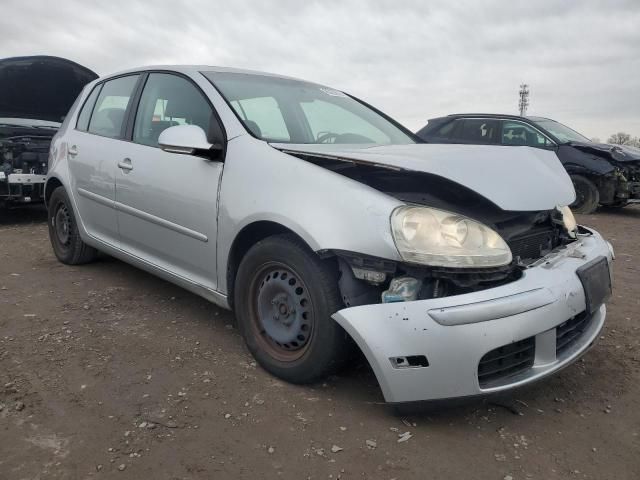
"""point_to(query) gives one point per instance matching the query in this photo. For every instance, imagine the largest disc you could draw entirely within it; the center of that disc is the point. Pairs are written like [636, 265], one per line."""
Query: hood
[619, 153]
[513, 178]
[40, 87]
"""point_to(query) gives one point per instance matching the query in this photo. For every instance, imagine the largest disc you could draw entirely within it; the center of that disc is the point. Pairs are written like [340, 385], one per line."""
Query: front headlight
[443, 239]
[569, 221]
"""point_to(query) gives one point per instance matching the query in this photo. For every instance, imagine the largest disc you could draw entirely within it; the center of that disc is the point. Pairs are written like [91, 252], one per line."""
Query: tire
[63, 231]
[284, 298]
[587, 195]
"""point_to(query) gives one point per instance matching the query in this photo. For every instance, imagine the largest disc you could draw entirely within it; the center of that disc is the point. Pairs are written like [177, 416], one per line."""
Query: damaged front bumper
[21, 187]
[487, 341]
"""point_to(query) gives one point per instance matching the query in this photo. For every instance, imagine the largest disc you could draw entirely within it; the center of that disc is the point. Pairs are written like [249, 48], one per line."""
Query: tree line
[622, 138]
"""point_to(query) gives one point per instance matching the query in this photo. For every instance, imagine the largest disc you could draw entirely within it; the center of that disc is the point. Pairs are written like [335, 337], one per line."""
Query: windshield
[561, 132]
[291, 111]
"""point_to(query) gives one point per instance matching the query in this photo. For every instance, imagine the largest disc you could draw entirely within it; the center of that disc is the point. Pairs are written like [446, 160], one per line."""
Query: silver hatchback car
[326, 226]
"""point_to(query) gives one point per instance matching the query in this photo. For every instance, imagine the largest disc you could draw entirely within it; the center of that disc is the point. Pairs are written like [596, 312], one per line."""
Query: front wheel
[284, 298]
[587, 195]
[63, 231]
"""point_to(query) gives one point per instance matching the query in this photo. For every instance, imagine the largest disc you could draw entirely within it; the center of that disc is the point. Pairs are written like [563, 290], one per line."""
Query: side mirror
[188, 140]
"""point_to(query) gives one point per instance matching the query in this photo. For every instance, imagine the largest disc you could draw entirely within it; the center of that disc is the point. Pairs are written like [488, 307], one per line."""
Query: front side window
[517, 133]
[108, 115]
[292, 111]
[168, 100]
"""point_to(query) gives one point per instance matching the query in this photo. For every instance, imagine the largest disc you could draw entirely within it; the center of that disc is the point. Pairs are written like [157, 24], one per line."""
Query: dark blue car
[602, 174]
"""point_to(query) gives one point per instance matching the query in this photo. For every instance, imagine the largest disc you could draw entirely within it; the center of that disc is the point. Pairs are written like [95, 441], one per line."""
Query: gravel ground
[108, 372]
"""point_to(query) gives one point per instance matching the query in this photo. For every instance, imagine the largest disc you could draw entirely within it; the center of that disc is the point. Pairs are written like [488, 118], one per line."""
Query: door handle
[125, 165]
[72, 151]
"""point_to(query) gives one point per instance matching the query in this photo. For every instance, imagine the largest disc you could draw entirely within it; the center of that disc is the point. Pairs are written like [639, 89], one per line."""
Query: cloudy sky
[414, 60]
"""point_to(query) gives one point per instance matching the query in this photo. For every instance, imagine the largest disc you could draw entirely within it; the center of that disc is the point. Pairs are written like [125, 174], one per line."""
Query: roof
[191, 69]
[495, 115]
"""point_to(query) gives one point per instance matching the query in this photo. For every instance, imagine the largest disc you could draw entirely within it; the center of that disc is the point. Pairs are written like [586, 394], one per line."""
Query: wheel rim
[282, 313]
[62, 224]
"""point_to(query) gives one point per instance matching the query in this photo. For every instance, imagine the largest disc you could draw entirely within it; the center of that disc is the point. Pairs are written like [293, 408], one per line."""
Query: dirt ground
[108, 372]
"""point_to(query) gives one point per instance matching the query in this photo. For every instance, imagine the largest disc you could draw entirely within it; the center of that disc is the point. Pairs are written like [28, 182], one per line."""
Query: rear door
[167, 202]
[94, 147]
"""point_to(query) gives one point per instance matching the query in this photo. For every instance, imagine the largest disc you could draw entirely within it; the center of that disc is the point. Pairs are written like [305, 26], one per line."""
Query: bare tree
[620, 138]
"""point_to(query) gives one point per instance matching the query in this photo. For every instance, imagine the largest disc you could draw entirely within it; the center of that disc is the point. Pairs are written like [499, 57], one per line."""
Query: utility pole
[524, 99]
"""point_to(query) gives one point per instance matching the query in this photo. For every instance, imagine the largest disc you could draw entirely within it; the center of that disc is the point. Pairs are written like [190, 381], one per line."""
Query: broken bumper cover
[21, 187]
[521, 326]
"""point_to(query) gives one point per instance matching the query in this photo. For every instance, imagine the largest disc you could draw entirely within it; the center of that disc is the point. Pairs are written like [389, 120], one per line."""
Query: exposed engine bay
[23, 166]
[366, 280]
[35, 95]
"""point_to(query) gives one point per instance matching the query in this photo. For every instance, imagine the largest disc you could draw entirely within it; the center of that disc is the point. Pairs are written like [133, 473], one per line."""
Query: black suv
[602, 174]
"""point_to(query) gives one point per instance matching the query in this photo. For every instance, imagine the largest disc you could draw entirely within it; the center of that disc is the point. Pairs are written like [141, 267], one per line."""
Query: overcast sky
[414, 60]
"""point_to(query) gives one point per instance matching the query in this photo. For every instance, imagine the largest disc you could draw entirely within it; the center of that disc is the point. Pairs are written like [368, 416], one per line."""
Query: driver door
[167, 202]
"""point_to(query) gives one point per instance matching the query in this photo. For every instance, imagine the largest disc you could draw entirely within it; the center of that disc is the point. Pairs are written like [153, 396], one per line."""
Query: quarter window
[169, 100]
[109, 113]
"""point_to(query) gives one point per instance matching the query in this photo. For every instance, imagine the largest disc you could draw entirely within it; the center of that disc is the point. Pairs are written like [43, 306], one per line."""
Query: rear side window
[480, 131]
[108, 115]
[87, 108]
[168, 100]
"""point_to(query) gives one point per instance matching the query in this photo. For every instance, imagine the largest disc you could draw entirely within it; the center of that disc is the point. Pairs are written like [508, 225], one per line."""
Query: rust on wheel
[281, 312]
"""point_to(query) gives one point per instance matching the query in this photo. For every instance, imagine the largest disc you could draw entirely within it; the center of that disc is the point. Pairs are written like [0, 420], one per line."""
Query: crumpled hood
[619, 153]
[40, 87]
[513, 178]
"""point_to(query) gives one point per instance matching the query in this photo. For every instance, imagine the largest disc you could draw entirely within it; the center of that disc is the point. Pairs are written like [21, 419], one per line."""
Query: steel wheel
[63, 231]
[282, 312]
[61, 223]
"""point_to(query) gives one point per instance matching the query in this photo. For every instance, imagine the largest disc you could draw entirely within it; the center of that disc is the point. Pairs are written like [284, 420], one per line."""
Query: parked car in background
[35, 94]
[602, 174]
[323, 222]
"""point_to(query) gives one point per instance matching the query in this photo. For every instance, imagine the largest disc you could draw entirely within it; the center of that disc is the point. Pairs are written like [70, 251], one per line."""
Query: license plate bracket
[596, 282]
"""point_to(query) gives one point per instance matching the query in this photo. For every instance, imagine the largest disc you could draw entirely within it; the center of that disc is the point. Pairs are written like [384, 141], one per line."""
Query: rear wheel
[587, 195]
[284, 298]
[63, 231]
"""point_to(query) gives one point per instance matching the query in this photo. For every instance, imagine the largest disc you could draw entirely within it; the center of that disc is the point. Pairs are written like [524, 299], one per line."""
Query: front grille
[533, 245]
[569, 332]
[504, 362]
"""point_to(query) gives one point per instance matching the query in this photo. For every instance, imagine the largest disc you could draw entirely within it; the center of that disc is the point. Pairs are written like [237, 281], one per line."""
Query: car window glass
[168, 100]
[326, 119]
[111, 105]
[263, 117]
[479, 131]
[85, 113]
[293, 111]
[517, 133]
[447, 129]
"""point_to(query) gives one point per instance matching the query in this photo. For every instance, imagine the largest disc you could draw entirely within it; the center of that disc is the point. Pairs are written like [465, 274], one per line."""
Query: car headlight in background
[569, 221]
[434, 237]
